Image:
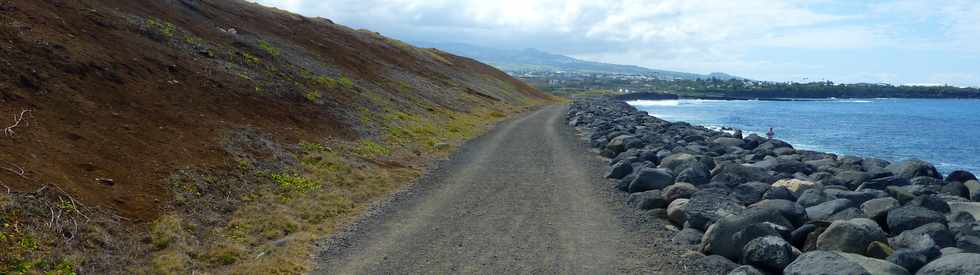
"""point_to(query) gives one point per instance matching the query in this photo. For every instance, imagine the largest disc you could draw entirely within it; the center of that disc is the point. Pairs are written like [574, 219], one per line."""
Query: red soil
[108, 101]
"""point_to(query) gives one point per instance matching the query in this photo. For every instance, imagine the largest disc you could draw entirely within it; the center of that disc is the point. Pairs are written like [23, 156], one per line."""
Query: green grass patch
[345, 82]
[164, 28]
[404, 87]
[310, 147]
[165, 231]
[251, 59]
[438, 56]
[399, 44]
[293, 182]
[325, 81]
[371, 149]
[313, 96]
[268, 48]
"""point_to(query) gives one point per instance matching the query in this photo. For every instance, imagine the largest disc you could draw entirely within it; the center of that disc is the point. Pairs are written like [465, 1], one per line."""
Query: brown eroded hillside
[179, 136]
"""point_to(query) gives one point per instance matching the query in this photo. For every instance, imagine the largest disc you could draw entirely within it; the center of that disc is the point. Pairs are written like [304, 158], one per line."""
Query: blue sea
[945, 132]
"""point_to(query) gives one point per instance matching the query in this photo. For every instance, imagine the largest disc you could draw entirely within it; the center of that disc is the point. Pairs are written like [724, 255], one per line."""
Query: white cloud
[959, 21]
[849, 37]
[693, 35]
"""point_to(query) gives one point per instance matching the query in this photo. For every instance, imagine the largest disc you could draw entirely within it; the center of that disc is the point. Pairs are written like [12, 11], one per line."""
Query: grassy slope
[161, 141]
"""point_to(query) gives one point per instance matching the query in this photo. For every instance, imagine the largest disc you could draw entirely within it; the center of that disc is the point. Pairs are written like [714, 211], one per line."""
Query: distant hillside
[213, 136]
[536, 60]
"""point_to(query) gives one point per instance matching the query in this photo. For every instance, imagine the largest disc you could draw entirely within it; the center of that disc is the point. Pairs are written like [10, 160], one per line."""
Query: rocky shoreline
[759, 206]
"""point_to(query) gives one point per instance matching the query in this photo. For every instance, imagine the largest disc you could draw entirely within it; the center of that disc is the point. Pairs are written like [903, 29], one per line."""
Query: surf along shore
[754, 205]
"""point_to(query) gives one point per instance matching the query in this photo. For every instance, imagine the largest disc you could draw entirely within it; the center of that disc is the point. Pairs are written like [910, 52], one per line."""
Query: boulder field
[768, 208]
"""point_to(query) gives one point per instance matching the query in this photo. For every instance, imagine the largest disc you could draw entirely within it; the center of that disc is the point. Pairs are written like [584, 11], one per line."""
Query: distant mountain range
[536, 60]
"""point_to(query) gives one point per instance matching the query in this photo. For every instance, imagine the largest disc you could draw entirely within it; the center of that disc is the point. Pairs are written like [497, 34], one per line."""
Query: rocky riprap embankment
[773, 209]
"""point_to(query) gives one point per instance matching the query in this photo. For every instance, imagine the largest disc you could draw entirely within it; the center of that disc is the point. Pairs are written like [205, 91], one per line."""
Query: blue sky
[898, 41]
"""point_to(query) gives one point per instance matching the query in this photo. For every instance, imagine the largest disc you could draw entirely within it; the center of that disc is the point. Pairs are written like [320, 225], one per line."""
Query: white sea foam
[655, 103]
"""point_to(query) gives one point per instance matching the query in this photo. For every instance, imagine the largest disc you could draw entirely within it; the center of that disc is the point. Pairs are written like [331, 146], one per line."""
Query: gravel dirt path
[526, 198]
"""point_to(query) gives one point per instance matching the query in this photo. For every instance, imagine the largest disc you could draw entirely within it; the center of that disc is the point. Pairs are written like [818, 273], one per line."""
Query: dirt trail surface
[525, 198]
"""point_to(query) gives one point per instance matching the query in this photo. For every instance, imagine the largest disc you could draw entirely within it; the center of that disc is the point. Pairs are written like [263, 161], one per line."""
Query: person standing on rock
[770, 134]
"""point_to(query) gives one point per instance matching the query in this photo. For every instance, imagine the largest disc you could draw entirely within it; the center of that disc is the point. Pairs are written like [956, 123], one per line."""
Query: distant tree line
[749, 89]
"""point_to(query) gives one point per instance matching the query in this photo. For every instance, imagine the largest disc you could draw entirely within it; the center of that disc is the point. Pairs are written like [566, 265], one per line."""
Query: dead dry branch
[16, 170]
[18, 119]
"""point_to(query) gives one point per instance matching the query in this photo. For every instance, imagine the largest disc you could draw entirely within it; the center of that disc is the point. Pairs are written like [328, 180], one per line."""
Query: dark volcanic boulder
[676, 210]
[846, 214]
[962, 220]
[910, 217]
[784, 166]
[734, 174]
[956, 189]
[716, 263]
[631, 154]
[719, 239]
[821, 177]
[688, 236]
[620, 170]
[822, 163]
[785, 151]
[680, 190]
[770, 253]
[651, 179]
[697, 175]
[882, 183]
[759, 230]
[619, 144]
[623, 184]
[956, 264]
[879, 250]
[647, 200]
[707, 206]
[649, 155]
[823, 211]
[905, 194]
[931, 202]
[908, 259]
[746, 270]
[916, 242]
[773, 144]
[852, 236]
[793, 212]
[750, 192]
[835, 262]
[852, 179]
[927, 181]
[812, 197]
[960, 176]
[823, 263]
[677, 163]
[872, 164]
[910, 169]
[779, 193]
[938, 232]
[851, 163]
[876, 209]
[968, 244]
[798, 237]
[752, 141]
[857, 197]
[729, 142]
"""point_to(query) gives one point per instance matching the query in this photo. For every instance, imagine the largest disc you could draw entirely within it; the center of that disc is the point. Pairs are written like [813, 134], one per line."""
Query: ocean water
[945, 132]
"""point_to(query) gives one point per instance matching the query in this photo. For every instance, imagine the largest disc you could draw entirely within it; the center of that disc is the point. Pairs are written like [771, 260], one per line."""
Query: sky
[845, 41]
